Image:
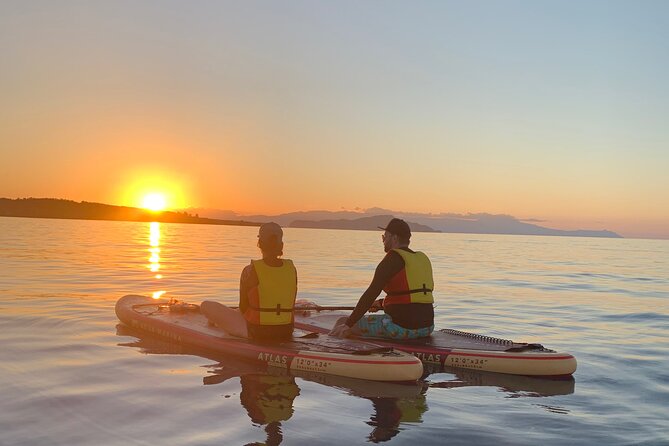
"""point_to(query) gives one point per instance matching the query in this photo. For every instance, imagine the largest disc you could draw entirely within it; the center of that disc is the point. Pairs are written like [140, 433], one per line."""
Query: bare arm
[247, 280]
[391, 264]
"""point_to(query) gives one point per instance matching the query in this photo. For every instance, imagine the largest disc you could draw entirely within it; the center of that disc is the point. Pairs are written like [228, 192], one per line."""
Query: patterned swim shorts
[382, 326]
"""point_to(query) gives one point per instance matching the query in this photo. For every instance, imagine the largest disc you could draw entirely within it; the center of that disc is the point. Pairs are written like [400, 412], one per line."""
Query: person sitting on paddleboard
[406, 277]
[267, 292]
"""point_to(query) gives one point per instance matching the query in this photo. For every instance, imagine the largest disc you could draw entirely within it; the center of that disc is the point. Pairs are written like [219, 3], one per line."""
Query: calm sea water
[72, 375]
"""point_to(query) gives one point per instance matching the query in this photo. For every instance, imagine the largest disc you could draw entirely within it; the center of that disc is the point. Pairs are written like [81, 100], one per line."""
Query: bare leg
[228, 319]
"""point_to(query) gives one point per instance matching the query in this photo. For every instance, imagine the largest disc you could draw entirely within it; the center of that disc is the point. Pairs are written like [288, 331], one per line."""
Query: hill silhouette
[363, 223]
[480, 223]
[367, 219]
[68, 209]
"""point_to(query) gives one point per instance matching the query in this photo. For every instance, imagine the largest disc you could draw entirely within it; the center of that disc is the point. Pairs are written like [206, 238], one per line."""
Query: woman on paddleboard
[267, 292]
[406, 277]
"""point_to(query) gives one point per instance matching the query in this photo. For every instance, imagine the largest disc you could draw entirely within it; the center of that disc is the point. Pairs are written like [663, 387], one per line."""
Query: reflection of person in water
[268, 400]
[267, 396]
[390, 412]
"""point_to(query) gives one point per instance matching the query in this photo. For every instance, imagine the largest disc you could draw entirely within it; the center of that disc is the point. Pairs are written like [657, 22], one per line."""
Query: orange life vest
[272, 301]
[414, 283]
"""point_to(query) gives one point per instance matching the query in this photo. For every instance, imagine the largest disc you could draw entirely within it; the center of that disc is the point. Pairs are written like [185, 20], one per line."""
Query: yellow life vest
[271, 303]
[412, 285]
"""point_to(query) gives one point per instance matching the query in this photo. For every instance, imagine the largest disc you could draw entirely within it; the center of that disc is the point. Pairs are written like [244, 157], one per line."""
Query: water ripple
[63, 362]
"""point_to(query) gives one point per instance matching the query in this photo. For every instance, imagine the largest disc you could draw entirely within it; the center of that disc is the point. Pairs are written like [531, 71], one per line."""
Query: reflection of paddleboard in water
[452, 348]
[514, 385]
[183, 323]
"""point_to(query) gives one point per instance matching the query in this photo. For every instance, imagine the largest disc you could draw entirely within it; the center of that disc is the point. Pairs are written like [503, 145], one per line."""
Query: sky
[546, 110]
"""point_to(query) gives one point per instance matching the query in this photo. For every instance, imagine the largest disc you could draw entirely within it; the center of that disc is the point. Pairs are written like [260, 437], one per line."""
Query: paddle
[321, 308]
[303, 305]
[315, 307]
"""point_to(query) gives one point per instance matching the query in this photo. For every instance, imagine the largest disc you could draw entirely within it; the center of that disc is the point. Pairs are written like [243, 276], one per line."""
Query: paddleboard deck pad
[453, 348]
[307, 351]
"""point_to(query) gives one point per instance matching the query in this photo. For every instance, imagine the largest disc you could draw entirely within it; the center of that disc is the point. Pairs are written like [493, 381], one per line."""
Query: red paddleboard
[452, 348]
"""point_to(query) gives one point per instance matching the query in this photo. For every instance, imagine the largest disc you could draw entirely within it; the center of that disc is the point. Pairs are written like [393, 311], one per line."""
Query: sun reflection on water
[154, 250]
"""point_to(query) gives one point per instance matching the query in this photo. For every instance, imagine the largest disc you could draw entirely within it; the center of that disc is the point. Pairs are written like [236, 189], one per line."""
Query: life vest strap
[423, 290]
[278, 310]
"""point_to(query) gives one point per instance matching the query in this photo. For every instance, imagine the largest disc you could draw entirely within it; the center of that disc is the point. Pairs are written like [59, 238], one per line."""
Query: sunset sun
[152, 189]
[154, 202]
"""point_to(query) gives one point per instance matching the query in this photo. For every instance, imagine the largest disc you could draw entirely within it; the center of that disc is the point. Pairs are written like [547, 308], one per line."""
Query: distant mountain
[444, 222]
[363, 223]
[67, 209]
[282, 219]
[365, 220]
[498, 224]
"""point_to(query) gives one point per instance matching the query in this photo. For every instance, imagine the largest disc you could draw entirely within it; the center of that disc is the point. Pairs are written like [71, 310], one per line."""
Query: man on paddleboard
[267, 292]
[406, 277]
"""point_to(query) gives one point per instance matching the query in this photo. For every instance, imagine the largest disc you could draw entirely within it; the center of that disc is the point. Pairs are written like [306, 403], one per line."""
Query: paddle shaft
[320, 308]
[329, 308]
[316, 308]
